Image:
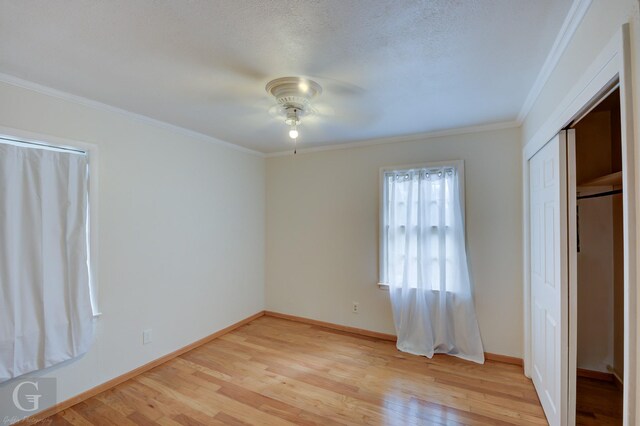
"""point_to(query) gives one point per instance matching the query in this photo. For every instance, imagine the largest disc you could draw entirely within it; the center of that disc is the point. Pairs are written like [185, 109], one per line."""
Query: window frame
[91, 151]
[458, 165]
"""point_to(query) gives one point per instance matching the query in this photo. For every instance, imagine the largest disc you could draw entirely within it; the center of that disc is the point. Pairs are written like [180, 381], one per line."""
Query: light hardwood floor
[274, 371]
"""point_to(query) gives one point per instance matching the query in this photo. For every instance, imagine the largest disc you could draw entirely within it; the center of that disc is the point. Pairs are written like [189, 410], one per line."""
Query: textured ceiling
[389, 67]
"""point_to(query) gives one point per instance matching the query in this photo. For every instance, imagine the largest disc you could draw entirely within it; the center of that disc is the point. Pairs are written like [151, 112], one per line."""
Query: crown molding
[571, 23]
[49, 91]
[399, 139]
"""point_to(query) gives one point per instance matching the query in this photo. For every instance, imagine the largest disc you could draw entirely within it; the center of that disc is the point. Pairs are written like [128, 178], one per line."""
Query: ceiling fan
[323, 103]
[294, 96]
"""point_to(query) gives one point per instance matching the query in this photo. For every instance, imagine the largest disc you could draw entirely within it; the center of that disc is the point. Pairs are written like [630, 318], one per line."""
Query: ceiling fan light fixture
[292, 120]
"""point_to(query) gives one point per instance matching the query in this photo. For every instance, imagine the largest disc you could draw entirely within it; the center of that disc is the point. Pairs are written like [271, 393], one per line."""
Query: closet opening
[600, 264]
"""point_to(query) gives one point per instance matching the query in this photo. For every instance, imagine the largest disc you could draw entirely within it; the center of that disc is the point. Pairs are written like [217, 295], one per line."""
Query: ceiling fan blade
[241, 95]
[276, 110]
[322, 109]
[233, 64]
[344, 111]
[340, 88]
[335, 87]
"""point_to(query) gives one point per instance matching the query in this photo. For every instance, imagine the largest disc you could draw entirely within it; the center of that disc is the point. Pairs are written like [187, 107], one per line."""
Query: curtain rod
[427, 169]
[601, 194]
[44, 145]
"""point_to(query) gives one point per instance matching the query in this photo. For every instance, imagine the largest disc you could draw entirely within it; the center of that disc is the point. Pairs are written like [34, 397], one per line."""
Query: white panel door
[549, 277]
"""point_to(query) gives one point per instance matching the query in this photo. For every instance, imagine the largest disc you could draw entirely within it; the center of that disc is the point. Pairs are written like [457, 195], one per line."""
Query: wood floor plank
[140, 419]
[59, 421]
[156, 405]
[275, 371]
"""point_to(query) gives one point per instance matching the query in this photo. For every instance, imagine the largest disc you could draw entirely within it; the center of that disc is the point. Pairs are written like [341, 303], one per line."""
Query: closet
[600, 264]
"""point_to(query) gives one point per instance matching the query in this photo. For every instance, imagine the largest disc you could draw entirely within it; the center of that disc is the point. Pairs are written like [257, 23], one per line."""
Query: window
[46, 268]
[421, 218]
[423, 260]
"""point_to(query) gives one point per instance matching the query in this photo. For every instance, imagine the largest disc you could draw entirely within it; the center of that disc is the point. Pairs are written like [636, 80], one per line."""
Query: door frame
[611, 65]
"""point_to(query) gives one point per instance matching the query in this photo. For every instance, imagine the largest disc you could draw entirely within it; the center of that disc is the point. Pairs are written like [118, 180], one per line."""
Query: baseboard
[505, 359]
[382, 336]
[596, 375]
[354, 330]
[618, 381]
[133, 373]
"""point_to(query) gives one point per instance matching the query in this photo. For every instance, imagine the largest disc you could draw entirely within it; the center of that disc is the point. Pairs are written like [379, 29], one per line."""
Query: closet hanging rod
[601, 194]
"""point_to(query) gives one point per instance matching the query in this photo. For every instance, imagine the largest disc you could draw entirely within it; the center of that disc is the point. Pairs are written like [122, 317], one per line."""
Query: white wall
[322, 227]
[181, 233]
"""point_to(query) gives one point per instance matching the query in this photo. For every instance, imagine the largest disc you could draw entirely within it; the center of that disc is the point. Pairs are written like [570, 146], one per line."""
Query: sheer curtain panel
[45, 306]
[424, 262]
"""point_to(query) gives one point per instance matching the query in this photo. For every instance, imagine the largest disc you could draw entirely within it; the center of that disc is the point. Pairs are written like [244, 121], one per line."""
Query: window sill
[385, 287]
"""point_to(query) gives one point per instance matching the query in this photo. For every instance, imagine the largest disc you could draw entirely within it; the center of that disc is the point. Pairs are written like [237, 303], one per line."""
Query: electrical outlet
[146, 336]
[355, 308]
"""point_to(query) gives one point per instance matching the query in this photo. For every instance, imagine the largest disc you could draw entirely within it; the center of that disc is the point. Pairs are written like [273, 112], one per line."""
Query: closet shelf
[613, 179]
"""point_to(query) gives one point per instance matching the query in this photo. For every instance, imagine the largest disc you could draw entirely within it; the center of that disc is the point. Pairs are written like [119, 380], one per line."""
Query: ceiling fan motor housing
[294, 95]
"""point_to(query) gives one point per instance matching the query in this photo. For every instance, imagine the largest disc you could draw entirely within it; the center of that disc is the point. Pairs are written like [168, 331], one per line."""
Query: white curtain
[45, 306]
[426, 268]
